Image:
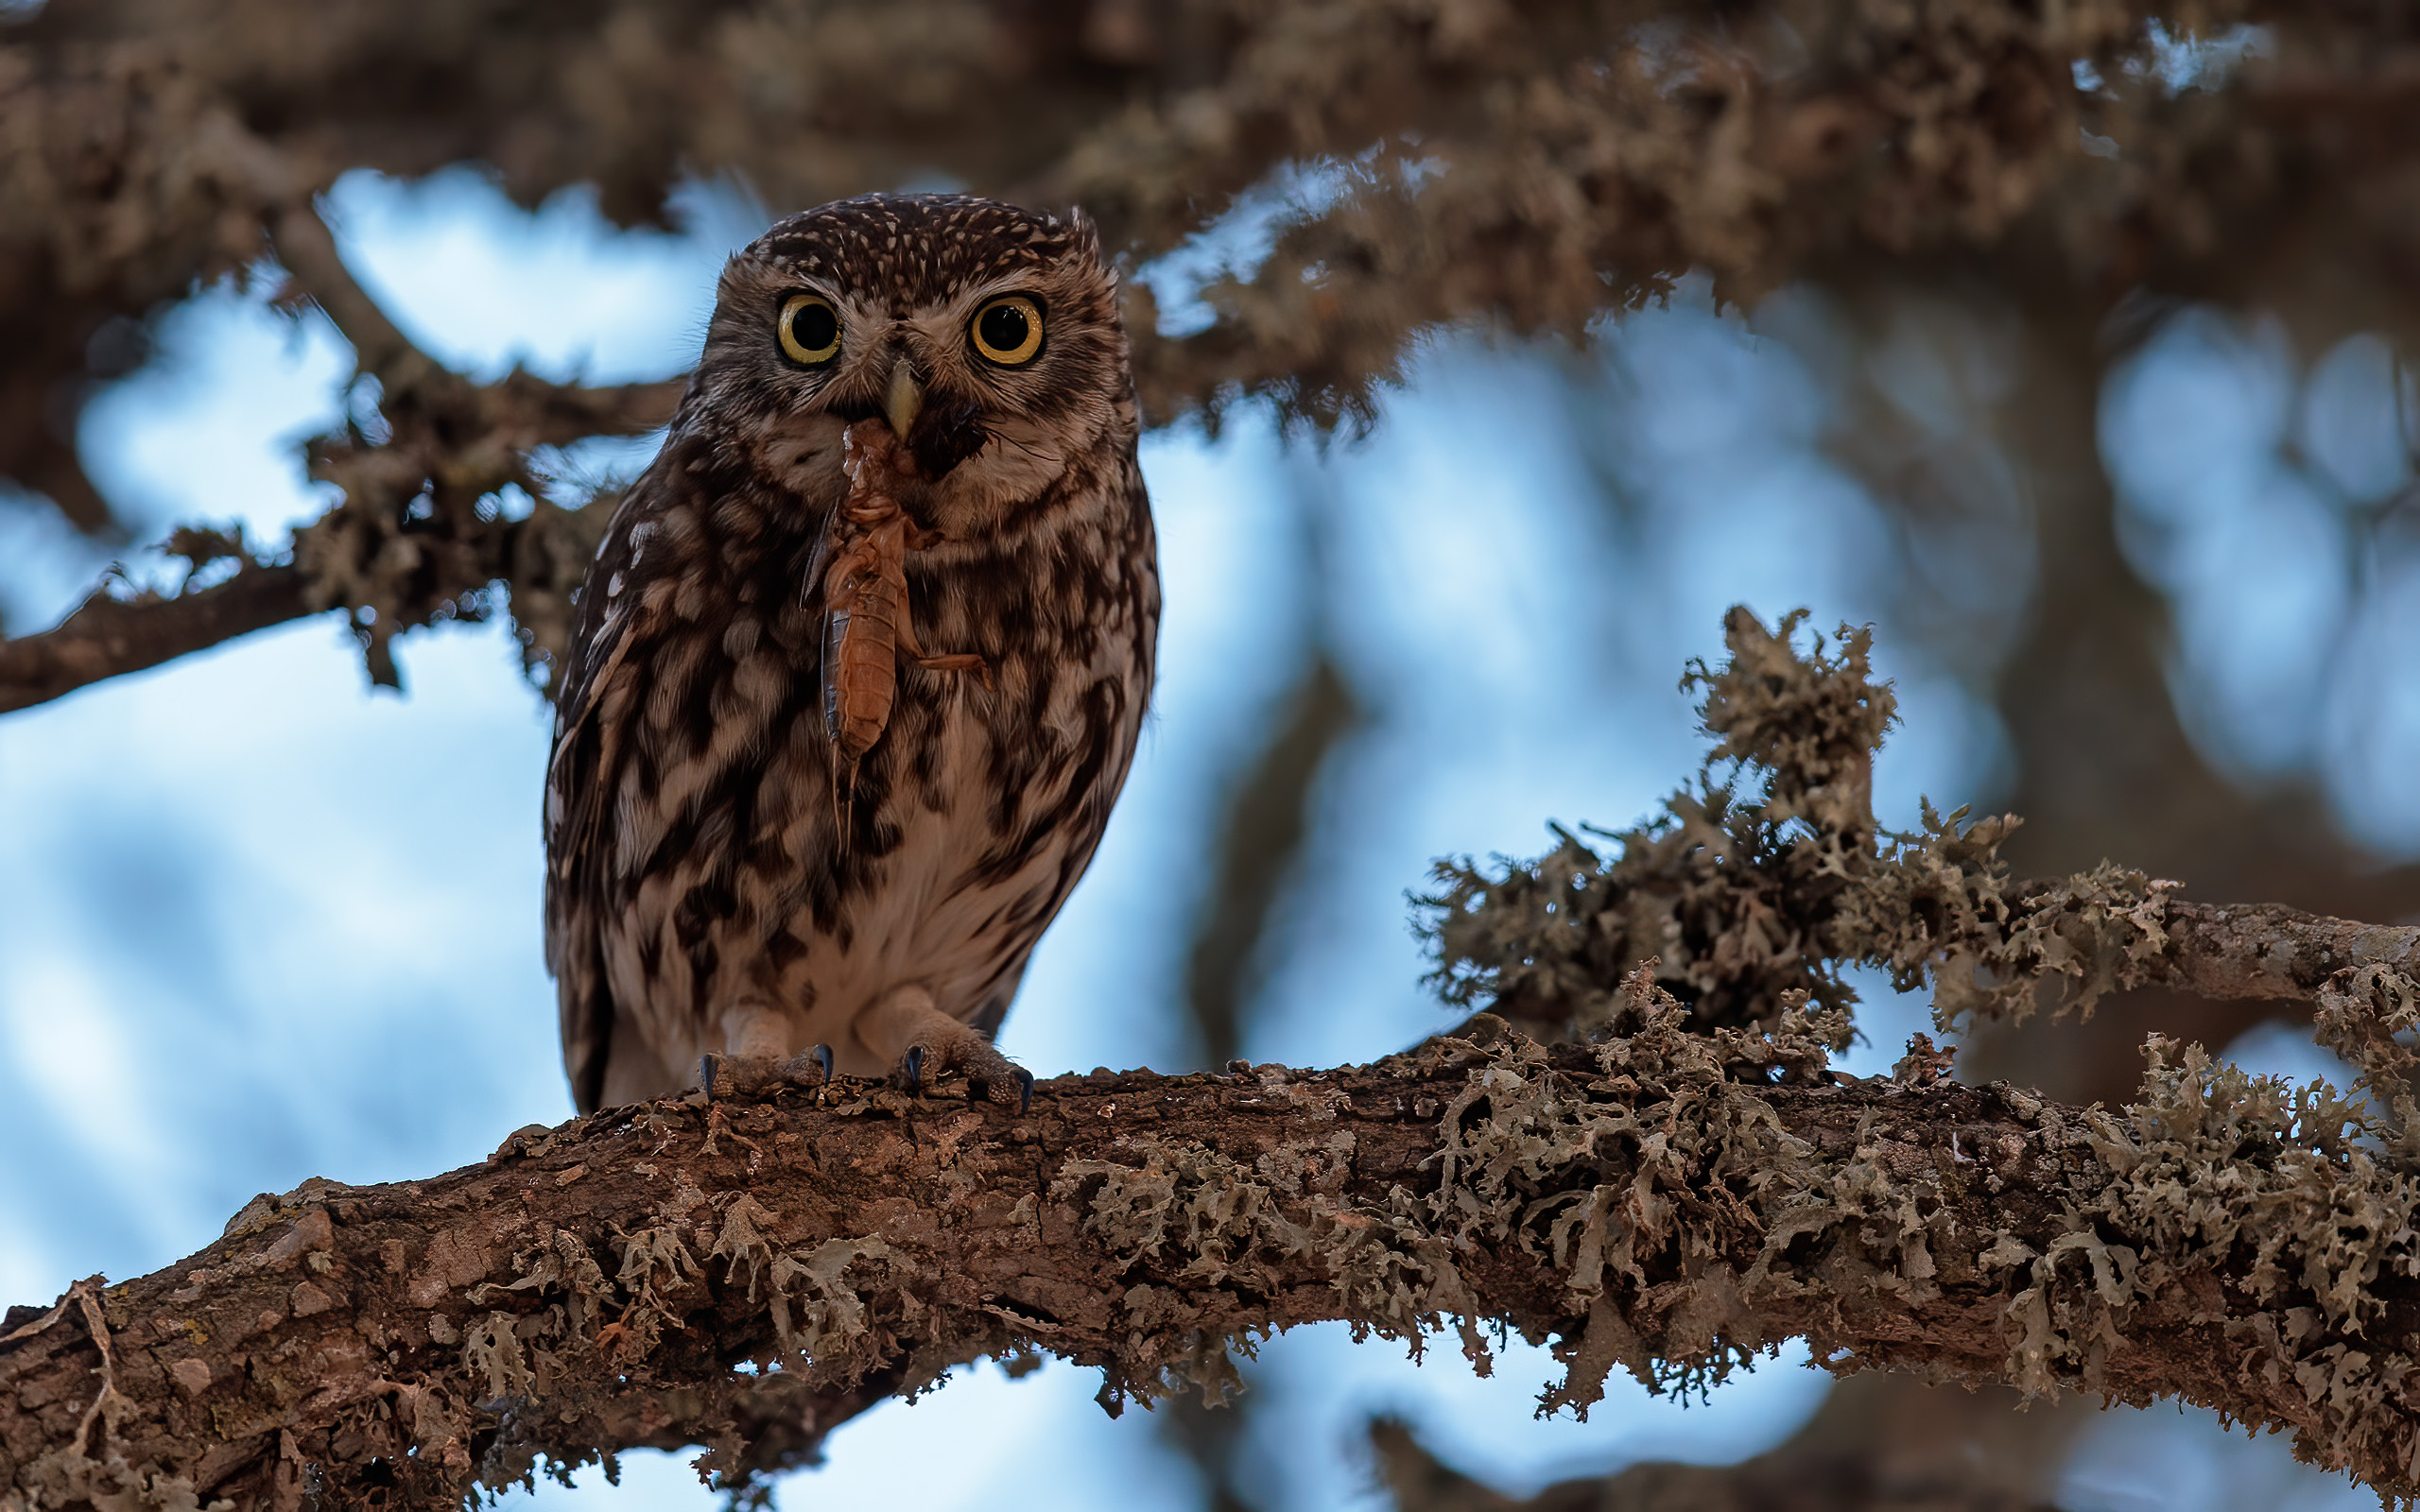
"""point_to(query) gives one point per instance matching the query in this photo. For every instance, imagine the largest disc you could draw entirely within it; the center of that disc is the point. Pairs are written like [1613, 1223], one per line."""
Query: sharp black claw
[823, 1060]
[1024, 1090]
[915, 1067]
[706, 1064]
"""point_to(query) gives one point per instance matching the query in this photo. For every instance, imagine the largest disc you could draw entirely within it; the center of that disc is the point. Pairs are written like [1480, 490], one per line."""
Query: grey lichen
[1694, 1205]
[833, 1331]
[1659, 1155]
[1769, 875]
[1732, 888]
[815, 1298]
[2300, 1195]
[1195, 1217]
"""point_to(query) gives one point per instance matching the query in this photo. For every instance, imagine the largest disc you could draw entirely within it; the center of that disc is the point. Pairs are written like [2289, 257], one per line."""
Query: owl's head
[988, 336]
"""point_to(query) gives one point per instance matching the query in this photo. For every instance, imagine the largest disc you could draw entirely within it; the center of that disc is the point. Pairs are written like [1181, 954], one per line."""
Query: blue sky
[259, 921]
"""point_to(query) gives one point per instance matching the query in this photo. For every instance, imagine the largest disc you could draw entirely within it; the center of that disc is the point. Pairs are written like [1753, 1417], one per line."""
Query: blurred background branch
[1453, 163]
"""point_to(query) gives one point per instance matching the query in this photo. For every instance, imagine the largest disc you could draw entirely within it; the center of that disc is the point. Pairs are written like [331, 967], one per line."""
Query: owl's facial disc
[986, 335]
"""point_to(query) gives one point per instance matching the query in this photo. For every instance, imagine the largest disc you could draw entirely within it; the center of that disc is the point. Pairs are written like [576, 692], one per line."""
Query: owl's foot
[753, 1076]
[723, 1075]
[991, 1077]
[811, 1067]
[923, 1044]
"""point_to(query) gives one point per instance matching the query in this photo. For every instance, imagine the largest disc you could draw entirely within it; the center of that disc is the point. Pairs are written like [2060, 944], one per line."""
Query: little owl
[750, 864]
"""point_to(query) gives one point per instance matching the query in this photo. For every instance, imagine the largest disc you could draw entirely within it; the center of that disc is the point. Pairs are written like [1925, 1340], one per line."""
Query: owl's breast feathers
[694, 862]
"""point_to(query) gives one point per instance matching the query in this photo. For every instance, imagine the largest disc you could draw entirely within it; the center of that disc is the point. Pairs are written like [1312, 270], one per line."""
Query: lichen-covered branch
[1536, 164]
[1662, 1201]
[2265, 951]
[1528, 167]
[418, 534]
[1770, 874]
[390, 565]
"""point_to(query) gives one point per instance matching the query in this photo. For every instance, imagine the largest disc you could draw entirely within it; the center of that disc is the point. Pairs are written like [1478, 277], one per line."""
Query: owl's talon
[811, 1067]
[980, 1087]
[924, 1044]
[706, 1064]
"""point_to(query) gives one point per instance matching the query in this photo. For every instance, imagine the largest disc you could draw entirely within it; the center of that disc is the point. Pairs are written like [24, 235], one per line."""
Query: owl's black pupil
[813, 327]
[1004, 328]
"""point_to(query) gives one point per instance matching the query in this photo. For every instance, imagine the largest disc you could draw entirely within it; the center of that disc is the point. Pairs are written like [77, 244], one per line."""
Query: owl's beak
[905, 401]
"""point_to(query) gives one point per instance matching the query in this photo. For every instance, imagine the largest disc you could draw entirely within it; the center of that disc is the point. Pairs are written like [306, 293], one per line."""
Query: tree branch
[1464, 173]
[1756, 884]
[1536, 169]
[744, 1275]
[415, 538]
[107, 636]
[2264, 950]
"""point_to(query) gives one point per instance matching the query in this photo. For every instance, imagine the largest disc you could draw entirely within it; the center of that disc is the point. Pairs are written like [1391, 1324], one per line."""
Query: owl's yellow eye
[809, 329]
[1007, 330]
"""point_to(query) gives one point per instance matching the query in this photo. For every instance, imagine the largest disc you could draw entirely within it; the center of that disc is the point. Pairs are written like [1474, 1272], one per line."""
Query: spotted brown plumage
[703, 896]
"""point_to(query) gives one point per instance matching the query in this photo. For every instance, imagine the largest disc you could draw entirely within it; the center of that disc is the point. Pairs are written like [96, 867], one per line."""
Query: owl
[732, 890]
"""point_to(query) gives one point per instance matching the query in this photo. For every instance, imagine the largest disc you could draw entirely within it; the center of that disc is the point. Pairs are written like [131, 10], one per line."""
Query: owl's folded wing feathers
[579, 775]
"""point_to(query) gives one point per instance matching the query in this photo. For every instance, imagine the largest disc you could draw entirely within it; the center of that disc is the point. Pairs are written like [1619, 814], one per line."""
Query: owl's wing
[589, 710]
